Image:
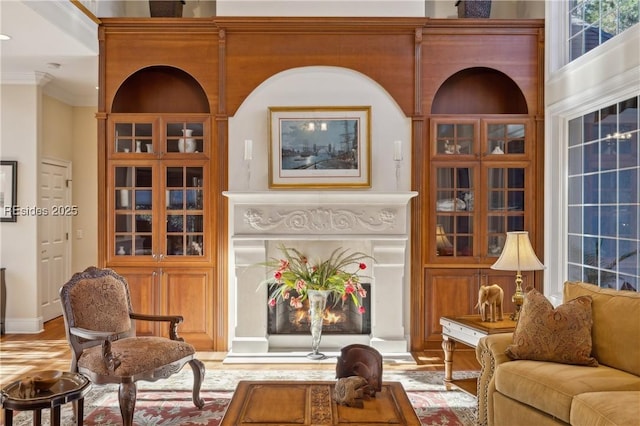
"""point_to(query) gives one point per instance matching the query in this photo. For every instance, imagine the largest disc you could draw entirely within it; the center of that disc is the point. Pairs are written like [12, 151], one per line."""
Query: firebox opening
[339, 318]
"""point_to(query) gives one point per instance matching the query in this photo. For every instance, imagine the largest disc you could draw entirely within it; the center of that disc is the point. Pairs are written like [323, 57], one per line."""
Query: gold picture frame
[320, 147]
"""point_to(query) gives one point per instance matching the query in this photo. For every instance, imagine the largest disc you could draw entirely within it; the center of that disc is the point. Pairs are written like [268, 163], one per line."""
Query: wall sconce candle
[248, 149]
[397, 150]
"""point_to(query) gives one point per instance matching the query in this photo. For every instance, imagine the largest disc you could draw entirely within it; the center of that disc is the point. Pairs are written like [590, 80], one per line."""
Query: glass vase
[317, 305]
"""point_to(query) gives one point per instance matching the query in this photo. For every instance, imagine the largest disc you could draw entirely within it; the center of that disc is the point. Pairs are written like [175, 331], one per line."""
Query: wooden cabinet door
[450, 292]
[188, 292]
[144, 285]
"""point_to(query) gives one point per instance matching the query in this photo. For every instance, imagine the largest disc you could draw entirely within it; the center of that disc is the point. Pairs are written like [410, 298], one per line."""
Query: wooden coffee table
[286, 403]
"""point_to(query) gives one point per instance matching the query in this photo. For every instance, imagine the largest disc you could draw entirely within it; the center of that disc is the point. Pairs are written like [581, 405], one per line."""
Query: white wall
[35, 126]
[85, 188]
[319, 86]
[19, 246]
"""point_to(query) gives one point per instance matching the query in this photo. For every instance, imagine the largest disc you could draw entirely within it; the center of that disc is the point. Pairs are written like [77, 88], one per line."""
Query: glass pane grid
[133, 211]
[133, 137]
[603, 202]
[184, 137]
[454, 206]
[185, 211]
[593, 22]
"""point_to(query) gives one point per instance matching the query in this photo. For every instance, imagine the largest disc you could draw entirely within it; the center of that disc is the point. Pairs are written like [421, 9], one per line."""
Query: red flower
[348, 289]
[277, 275]
[272, 302]
[361, 309]
[363, 266]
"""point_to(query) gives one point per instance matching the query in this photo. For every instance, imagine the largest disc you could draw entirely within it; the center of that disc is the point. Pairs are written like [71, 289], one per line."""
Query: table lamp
[517, 255]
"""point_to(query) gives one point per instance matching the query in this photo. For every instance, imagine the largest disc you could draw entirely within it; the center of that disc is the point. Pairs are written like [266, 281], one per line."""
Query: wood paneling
[229, 57]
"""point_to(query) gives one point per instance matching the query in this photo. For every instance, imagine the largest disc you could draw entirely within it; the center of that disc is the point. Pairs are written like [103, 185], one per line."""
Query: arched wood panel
[130, 45]
[510, 47]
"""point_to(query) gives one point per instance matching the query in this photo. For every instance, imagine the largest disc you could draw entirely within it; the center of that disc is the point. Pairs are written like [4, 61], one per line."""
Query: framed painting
[320, 147]
[8, 190]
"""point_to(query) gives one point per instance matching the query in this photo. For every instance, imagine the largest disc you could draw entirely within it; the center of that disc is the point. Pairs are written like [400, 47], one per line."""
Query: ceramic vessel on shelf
[138, 146]
[187, 143]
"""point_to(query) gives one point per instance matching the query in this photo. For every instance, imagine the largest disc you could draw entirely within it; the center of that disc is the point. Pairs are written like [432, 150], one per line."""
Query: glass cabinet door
[133, 210]
[456, 139]
[184, 211]
[455, 194]
[506, 205]
[506, 138]
[133, 138]
[184, 137]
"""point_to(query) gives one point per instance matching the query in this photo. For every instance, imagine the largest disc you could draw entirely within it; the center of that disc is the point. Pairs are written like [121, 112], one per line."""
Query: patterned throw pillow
[559, 335]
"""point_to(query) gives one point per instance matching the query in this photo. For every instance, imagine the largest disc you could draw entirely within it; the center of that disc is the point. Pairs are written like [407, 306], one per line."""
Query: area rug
[168, 402]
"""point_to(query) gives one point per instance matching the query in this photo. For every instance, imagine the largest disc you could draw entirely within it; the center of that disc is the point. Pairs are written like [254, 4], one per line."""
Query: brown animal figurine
[364, 361]
[27, 388]
[350, 391]
[490, 297]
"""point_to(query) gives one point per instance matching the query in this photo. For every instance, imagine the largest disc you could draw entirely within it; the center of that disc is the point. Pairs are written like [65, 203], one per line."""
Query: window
[603, 197]
[592, 22]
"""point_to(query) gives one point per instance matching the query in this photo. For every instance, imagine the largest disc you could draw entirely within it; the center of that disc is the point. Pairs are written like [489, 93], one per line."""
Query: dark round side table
[70, 387]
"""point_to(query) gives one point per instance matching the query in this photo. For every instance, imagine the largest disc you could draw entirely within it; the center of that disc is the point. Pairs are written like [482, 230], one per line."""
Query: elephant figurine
[490, 303]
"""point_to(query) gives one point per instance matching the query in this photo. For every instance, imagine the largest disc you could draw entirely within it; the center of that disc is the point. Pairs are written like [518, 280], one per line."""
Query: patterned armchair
[100, 327]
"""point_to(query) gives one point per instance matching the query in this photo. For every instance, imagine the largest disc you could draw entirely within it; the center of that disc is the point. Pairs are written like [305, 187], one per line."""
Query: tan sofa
[524, 392]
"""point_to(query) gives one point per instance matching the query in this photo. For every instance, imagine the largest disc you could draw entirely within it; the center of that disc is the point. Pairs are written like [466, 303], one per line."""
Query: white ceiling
[53, 31]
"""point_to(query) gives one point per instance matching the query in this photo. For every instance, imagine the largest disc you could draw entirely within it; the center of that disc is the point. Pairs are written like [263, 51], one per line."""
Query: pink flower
[284, 264]
[361, 309]
[362, 266]
[349, 289]
[295, 302]
[272, 302]
[285, 294]
[361, 291]
[300, 285]
[277, 275]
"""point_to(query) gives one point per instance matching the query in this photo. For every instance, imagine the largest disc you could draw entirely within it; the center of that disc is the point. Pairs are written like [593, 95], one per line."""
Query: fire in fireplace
[339, 318]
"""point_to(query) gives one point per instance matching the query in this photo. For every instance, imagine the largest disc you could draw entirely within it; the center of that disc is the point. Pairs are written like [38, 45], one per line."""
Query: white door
[54, 225]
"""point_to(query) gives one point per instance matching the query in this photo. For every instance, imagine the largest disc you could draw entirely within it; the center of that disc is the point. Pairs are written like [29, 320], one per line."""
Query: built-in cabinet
[471, 89]
[159, 238]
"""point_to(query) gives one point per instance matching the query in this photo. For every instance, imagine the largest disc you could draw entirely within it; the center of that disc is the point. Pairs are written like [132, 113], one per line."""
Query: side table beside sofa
[530, 392]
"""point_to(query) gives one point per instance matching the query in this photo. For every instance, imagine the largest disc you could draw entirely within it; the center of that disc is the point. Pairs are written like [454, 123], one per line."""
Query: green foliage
[293, 274]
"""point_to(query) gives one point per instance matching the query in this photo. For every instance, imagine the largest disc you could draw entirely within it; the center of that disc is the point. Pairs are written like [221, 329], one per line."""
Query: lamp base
[518, 300]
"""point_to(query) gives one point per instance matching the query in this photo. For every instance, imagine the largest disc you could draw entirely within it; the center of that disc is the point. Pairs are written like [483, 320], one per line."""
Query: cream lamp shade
[517, 254]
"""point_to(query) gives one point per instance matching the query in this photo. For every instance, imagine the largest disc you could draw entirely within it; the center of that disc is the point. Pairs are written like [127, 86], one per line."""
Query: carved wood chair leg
[198, 377]
[127, 394]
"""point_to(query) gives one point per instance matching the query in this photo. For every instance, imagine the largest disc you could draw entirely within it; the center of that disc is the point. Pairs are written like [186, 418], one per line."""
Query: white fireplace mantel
[294, 215]
[379, 222]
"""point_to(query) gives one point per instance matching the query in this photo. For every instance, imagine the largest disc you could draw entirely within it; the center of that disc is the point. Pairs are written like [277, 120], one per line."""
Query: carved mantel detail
[320, 219]
[314, 213]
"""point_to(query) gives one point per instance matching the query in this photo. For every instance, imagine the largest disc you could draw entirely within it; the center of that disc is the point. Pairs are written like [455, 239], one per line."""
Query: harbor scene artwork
[319, 147]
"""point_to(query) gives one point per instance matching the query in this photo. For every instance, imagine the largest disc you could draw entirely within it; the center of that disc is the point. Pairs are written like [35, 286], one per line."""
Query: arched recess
[160, 89]
[319, 86]
[479, 90]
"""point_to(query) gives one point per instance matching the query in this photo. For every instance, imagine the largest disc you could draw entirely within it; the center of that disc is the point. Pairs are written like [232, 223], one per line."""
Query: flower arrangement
[293, 276]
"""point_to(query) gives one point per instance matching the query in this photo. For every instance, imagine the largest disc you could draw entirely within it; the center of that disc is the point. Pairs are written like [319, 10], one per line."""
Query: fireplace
[316, 223]
[339, 318]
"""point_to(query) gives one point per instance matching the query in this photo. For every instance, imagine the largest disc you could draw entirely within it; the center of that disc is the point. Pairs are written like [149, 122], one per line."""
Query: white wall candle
[397, 150]
[248, 149]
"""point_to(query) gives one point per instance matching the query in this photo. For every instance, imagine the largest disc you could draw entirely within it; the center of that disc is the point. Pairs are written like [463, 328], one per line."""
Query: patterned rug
[168, 402]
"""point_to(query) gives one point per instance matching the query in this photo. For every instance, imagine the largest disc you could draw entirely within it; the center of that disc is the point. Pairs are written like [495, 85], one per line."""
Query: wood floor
[23, 354]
